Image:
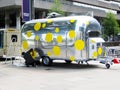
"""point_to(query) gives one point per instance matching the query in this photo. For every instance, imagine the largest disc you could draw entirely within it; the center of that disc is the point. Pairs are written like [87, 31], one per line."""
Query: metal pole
[18, 21]
[7, 19]
[32, 12]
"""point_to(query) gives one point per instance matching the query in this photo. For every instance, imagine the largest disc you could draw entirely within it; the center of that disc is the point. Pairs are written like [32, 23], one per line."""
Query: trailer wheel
[46, 61]
[107, 65]
[81, 62]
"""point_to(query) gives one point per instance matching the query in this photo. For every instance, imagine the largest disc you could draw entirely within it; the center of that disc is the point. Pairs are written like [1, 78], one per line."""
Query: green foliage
[110, 25]
[57, 7]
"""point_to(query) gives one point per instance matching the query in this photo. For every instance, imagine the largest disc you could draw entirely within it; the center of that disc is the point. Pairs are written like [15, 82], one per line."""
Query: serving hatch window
[14, 38]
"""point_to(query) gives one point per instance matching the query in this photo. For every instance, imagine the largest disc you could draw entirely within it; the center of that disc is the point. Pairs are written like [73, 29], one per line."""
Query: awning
[98, 39]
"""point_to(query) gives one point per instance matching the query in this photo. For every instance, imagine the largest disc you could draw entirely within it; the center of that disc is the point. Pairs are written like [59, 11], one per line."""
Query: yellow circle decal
[105, 54]
[33, 54]
[43, 25]
[95, 54]
[29, 33]
[71, 34]
[48, 37]
[59, 39]
[37, 26]
[99, 51]
[72, 21]
[87, 23]
[92, 41]
[25, 45]
[56, 50]
[72, 58]
[37, 38]
[49, 21]
[49, 53]
[79, 44]
[57, 29]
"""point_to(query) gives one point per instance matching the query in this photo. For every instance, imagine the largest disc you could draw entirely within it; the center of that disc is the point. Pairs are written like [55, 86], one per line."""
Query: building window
[1, 39]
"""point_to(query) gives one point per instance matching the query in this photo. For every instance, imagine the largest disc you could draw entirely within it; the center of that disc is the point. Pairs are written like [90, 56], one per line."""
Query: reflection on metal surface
[64, 37]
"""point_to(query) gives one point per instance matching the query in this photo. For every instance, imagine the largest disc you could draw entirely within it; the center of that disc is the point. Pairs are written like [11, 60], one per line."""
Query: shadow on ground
[73, 66]
[57, 66]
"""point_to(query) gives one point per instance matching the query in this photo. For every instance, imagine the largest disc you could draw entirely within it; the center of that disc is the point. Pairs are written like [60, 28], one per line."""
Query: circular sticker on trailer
[59, 39]
[57, 29]
[71, 34]
[49, 53]
[25, 45]
[79, 45]
[72, 21]
[49, 37]
[72, 58]
[99, 51]
[56, 50]
[37, 38]
[49, 21]
[43, 25]
[37, 26]
[87, 23]
[29, 33]
[95, 54]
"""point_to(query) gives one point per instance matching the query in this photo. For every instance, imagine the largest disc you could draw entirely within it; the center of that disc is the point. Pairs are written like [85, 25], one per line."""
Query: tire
[81, 62]
[68, 62]
[107, 65]
[46, 61]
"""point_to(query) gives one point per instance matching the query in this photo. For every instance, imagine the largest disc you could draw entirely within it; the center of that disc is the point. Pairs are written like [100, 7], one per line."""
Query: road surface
[60, 76]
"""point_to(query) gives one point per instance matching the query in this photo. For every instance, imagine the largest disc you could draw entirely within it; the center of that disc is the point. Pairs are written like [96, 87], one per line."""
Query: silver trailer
[10, 43]
[72, 38]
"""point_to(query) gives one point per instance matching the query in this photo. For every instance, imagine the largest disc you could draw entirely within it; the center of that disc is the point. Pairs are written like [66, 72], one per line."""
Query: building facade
[11, 12]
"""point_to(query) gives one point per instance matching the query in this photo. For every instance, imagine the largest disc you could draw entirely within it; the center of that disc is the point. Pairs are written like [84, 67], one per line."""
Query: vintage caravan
[10, 43]
[72, 38]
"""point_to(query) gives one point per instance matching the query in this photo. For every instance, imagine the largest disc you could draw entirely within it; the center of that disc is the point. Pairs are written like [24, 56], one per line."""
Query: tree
[110, 25]
[57, 7]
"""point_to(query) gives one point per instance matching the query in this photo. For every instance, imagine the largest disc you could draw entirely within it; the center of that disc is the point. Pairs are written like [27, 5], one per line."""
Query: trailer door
[93, 47]
[13, 43]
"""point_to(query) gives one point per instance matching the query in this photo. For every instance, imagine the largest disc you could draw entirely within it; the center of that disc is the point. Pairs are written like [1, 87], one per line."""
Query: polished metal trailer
[72, 38]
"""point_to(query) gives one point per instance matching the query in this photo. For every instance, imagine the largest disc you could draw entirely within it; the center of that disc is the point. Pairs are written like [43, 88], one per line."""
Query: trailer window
[93, 26]
[64, 27]
[94, 34]
[14, 38]
[1, 39]
[94, 29]
[93, 47]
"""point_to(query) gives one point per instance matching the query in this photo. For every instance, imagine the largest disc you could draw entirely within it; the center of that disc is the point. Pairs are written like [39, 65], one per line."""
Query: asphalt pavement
[60, 76]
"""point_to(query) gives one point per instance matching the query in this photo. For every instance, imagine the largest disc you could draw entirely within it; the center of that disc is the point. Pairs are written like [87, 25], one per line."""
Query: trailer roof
[82, 18]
